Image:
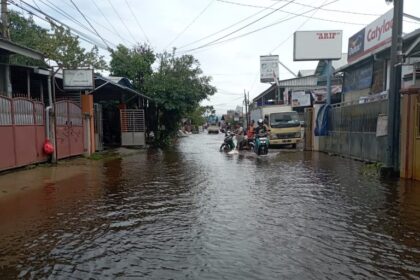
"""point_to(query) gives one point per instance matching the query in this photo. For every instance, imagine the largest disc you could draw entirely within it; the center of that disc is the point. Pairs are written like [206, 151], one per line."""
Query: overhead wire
[111, 25]
[68, 16]
[48, 18]
[299, 27]
[226, 28]
[243, 27]
[122, 21]
[138, 23]
[90, 24]
[189, 24]
[250, 32]
[291, 13]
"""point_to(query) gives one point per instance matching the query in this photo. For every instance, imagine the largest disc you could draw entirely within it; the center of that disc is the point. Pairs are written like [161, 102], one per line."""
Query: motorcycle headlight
[297, 134]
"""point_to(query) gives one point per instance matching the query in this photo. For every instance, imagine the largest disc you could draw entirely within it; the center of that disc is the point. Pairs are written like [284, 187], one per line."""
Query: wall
[352, 132]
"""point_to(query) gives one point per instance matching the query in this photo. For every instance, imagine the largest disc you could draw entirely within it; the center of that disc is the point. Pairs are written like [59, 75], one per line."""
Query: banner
[300, 99]
[269, 68]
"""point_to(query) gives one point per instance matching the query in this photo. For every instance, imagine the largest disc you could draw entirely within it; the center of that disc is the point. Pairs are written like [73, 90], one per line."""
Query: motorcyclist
[261, 129]
[239, 132]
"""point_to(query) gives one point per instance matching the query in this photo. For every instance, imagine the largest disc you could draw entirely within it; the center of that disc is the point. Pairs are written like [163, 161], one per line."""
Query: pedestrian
[239, 132]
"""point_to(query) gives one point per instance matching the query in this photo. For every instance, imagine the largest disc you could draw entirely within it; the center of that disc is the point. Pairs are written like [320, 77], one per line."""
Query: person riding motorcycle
[261, 129]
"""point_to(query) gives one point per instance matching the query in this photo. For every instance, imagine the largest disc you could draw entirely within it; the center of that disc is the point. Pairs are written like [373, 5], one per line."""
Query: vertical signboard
[269, 68]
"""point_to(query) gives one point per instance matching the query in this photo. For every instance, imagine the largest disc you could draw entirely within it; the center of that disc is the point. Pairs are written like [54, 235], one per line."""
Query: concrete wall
[352, 132]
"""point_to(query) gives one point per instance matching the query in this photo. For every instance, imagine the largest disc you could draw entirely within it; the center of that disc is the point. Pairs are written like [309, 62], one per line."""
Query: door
[69, 129]
[416, 160]
[76, 130]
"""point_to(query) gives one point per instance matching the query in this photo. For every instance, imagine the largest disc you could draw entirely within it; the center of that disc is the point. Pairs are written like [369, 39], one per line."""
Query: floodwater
[192, 212]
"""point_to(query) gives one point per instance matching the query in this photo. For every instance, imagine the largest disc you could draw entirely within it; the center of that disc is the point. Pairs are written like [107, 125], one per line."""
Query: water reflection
[192, 212]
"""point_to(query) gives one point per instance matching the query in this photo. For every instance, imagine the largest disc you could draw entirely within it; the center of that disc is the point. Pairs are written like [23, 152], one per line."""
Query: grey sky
[234, 64]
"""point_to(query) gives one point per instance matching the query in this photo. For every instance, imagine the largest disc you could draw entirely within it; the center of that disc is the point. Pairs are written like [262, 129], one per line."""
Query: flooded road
[194, 213]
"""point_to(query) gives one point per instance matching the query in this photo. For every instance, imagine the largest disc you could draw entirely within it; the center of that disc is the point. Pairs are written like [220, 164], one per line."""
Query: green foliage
[197, 116]
[178, 87]
[135, 64]
[57, 43]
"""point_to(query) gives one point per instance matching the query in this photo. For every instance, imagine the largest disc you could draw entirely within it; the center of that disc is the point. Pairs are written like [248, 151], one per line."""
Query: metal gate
[98, 127]
[133, 128]
[22, 130]
[69, 129]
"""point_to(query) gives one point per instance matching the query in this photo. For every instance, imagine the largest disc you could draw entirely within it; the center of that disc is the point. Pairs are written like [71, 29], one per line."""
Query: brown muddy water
[192, 212]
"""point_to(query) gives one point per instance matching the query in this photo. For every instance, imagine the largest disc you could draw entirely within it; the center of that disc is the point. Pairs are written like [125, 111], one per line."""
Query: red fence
[22, 132]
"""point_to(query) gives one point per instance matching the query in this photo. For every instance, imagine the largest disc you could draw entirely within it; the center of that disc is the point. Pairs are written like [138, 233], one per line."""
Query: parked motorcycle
[261, 144]
[227, 144]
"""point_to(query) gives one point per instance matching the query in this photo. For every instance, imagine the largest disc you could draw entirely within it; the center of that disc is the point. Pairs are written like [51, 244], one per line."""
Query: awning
[8, 47]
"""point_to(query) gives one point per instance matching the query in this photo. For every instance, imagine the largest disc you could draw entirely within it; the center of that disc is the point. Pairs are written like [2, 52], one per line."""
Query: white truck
[283, 122]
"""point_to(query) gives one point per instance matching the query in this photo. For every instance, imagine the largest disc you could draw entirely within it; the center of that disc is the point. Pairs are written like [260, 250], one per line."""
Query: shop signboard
[317, 45]
[269, 68]
[371, 38]
[359, 78]
[78, 79]
[300, 99]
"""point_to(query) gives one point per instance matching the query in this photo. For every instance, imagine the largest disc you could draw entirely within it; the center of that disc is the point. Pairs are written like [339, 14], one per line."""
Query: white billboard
[269, 68]
[78, 79]
[316, 45]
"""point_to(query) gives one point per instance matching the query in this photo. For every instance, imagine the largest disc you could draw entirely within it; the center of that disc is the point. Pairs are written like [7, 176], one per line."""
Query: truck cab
[285, 128]
[283, 122]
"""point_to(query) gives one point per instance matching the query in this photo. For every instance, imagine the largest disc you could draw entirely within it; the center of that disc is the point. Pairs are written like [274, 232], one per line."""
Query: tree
[57, 43]
[178, 87]
[135, 64]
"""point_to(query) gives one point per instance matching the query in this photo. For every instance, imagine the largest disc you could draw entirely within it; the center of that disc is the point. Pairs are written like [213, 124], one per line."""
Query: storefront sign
[269, 68]
[316, 45]
[368, 40]
[300, 99]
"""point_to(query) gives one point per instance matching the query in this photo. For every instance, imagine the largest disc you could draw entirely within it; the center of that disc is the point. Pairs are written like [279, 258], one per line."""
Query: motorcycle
[227, 144]
[261, 144]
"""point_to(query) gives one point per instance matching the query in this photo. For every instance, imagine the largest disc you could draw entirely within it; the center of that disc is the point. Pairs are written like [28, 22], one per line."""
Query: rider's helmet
[260, 122]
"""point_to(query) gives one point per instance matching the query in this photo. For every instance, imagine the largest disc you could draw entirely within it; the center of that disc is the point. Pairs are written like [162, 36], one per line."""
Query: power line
[332, 10]
[291, 13]
[243, 27]
[138, 23]
[90, 24]
[112, 26]
[65, 14]
[122, 21]
[253, 31]
[191, 23]
[226, 28]
[299, 27]
[49, 18]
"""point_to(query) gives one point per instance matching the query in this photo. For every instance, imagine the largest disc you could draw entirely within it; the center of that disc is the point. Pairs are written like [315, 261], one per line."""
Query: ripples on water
[192, 212]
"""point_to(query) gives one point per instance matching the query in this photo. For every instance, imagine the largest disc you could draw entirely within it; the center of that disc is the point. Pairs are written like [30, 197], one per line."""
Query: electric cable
[137, 21]
[122, 21]
[189, 24]
[90, 24]
[215, 42]
[226, 28]
[245, 26]
[112, 26]
[291, 13]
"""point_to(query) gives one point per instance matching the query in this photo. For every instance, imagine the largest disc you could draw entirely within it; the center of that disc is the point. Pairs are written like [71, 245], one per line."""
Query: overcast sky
[232, 62]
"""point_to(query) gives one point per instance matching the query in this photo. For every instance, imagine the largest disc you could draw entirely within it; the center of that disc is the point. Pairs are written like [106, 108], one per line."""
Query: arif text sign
[316, 45]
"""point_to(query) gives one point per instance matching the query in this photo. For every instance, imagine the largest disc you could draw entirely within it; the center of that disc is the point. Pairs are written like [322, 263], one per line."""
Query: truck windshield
[287, 119]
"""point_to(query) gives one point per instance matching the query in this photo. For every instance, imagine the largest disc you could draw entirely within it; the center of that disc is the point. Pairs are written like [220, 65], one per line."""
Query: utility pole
[4, 20]
[393, 141]
[246, 109]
